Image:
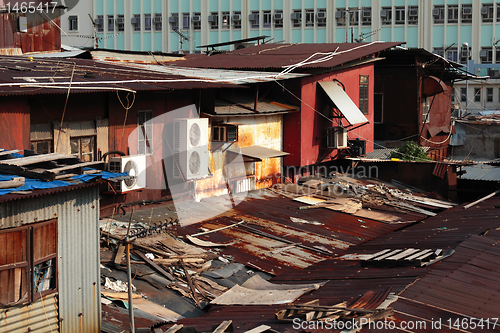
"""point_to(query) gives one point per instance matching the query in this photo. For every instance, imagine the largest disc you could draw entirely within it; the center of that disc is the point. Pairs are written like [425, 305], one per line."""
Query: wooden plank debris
[216, 230]
[155, 266]
[174, 328]
[35, 159]
[13, 183]
[481, 200]
[225, 325]
[119, 254]
[402, 257]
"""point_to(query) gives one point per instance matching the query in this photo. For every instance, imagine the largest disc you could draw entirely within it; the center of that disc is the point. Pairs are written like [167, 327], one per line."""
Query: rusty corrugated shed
[279, 56]
[39, 316]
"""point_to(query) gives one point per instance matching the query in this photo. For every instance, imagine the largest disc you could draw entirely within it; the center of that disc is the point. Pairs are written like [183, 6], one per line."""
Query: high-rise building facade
[454, 29]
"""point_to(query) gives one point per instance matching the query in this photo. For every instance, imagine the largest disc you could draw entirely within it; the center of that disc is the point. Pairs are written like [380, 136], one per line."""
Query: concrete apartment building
[440, 26]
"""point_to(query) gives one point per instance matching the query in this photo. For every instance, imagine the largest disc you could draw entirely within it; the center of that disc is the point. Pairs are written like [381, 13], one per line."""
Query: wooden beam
[482, 199]
[119, 254]
[21, 171]
[37, 159]
[215, 230]
[155, 266]
[8, 152]
[223, 326]
[14, 182]
[173, 329]
[78, 166]
[191, 285]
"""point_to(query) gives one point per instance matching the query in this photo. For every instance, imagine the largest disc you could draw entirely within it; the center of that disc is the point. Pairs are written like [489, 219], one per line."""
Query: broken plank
[410, 208]
[119, 254]
[37, 159]
[8, 152]
[482, 199]
[13, 183]
[77, 166]
[259, 329]
[155, 266]
[223, 326]
[175, 261]
[174, 328]
[191, 285]
[21, 171]
[215, 230]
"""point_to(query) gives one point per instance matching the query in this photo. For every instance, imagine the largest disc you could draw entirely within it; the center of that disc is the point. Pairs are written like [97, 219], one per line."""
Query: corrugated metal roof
[22, 76]
[343, 102]
[481, 172]
[279, 56]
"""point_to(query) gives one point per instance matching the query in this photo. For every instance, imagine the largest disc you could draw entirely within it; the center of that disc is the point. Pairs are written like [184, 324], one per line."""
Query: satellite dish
[195, 135]
[194, 163]
[132, 170]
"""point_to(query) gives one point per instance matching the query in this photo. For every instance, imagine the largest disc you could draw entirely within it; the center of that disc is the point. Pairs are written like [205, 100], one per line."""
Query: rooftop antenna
[365, 35]
[183, 38]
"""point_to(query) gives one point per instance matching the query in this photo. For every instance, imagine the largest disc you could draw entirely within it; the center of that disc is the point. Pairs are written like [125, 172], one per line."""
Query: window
[226, 20]
[196, 21]
[145, 135]
[297, 18]
[477, 95]
[489, 94]
[83, 148]
[498, 12]
[464, 54]
[73, 23]
[309, 17]
[439, 51]
[438, 14]
[487, 12]
[267, 19]
[100, 23]
[366, 16]
[321, 21]
[41, 138]
[452, 13]
[399, 15]
[28, 263]
[363, 93]
[412, 14]
[147, 22]
[486, 55]
[425, 110]
[111, 23]
[225, 133]
[254, 19]
[213, 19]
[186, 21]
[158, 22]
[174, 21]
[136, 21]
[452, 54]
[237, 20]
[120, 22]
[340, 15]
[463, 94]
[386, 15]
[353, 16]
[278, 18]
[467, 13]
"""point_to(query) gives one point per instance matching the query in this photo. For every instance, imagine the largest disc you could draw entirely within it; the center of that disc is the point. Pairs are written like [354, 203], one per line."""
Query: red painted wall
[304, 132]
[14, 123]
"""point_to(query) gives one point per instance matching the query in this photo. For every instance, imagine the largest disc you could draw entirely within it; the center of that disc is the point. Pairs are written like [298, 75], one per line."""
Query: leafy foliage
[410, 152]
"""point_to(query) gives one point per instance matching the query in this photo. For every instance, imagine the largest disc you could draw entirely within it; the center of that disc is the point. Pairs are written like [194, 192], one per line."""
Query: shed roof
[280, 56]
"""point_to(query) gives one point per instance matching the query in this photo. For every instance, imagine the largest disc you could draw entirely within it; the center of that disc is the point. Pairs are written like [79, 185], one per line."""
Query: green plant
[410, 152]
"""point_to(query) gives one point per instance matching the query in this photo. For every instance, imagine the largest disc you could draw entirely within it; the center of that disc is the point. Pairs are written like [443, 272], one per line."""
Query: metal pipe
[129, 281]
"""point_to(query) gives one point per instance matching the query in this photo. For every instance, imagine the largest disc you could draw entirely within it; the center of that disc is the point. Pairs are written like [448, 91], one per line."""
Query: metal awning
[343, 102]
[257, 152]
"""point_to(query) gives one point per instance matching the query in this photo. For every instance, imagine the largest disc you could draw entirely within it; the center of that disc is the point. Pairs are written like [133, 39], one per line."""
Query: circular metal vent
[195, 135]
[194, 162]
[132, 170]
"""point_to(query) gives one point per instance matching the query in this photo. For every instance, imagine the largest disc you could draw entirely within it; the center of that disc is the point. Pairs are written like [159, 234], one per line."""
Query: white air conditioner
[157, 19]
[467, 10]
[367, 13]
[212, 18]
[237, 17]
[191, 155]
[436, 12]
[135, 20]
[383, 13]
[484, 10]
[278, 16]
[120, 20]
[413, 12]
[339, 14]
[336, 137]
[135, 166]
[295, 16]
[196, 18]
[483, 54]
[321, 15]
[253, 17]
[173, 19]
[98, 21]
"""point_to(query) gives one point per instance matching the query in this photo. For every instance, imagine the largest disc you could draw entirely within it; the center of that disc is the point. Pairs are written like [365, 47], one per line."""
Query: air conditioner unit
[338, 14]
[191, 148]
[295, 16]
[157, 19]
[436, 12]
[467, 10]
[493, 73]
[464, 53]
[336, 137]
[321, 15]
[212, 18]
[173, 19]
[253, 17]
[483, 54]
[367, 13]
[135, 166]
[237, 17]
[357, 147]
[98, 21]
[196, 18]
[484, 10]
[383, 13]
[413, 12]
[135, 20]
[278, 16]
[120, 20]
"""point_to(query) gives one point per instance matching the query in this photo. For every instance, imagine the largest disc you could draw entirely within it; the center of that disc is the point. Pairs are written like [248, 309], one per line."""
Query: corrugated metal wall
[78, 256]
[39, 316]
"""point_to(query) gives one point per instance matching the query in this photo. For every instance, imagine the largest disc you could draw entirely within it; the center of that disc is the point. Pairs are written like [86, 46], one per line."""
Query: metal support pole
[129, 281]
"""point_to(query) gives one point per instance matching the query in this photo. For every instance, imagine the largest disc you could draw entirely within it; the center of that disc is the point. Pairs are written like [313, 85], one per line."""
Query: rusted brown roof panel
[278, 56]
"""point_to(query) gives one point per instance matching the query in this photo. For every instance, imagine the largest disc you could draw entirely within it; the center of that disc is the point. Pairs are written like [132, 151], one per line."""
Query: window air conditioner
[278, 16]
[98, 21]
[135, 166]
[338, 14]
[253, 17]
[436, 12]
[367, 13]
[483, 54]
[295, 16]
[135, 20]
[336, 137]
[321, 15]
[191, 148]
[467, 10]
[237, 17]
[212, 18]
[413, 12]
[157, 19]
[196, 18]
[173, 19]
[383, 13]
[484, 10]
[120, 20]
